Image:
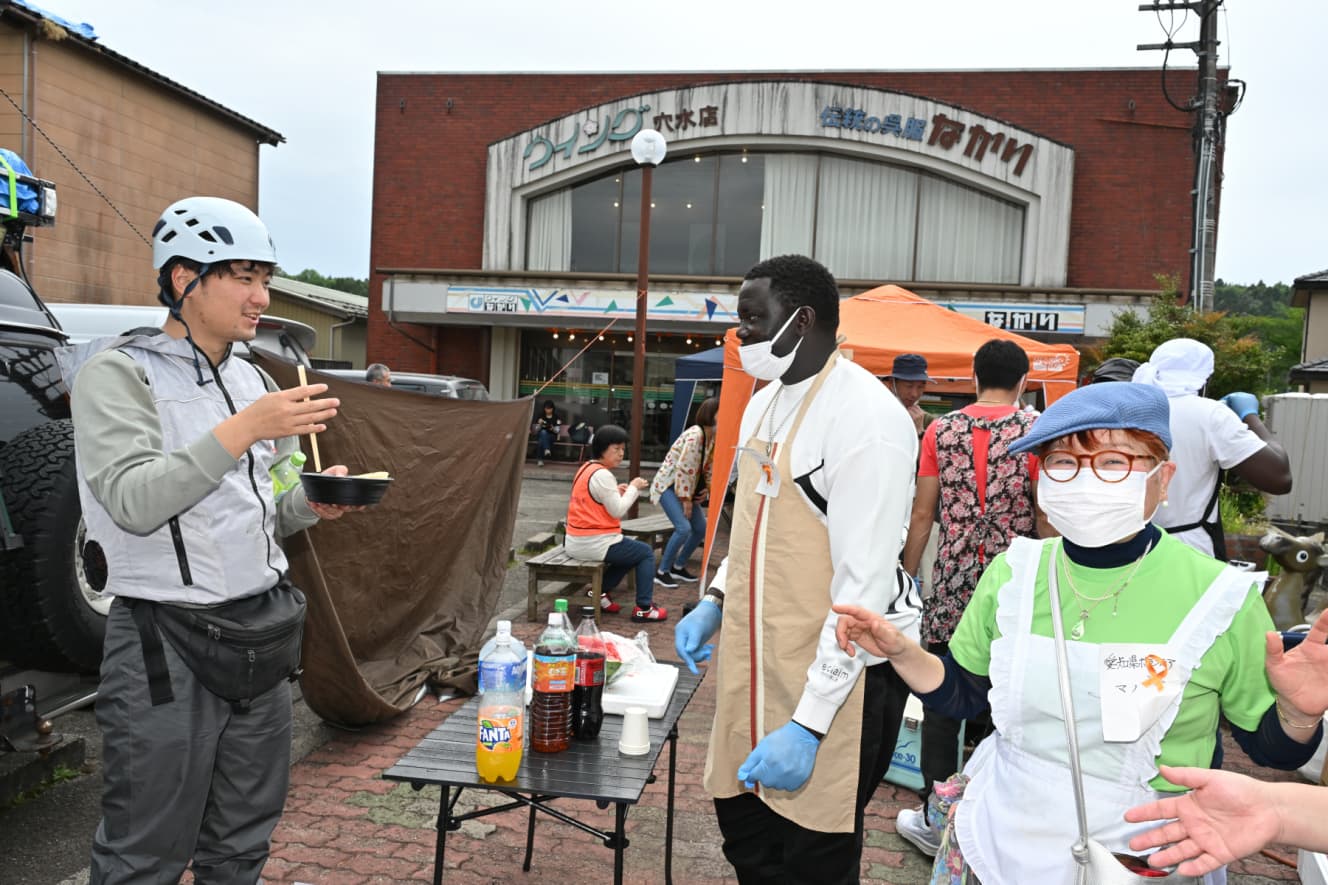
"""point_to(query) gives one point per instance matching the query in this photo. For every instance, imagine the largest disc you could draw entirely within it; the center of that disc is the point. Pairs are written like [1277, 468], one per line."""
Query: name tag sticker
[768, 480]
[1138, 682]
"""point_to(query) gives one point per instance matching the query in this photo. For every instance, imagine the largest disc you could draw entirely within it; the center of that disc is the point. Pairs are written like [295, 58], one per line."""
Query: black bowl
[347, 491]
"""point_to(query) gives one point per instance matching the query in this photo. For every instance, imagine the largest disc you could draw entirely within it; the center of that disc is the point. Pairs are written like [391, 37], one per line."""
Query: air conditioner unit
[1300, 422]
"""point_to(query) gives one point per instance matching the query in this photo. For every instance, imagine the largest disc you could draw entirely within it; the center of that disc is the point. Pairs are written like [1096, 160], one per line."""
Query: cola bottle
[588, 695]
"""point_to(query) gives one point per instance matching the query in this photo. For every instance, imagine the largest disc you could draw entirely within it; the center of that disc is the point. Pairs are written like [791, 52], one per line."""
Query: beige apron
[768, 641]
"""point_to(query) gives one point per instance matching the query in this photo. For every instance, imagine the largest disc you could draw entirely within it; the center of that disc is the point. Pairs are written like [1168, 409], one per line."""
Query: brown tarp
[400, 594]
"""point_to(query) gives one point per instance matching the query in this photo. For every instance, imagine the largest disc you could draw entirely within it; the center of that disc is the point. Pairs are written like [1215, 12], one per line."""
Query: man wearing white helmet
[1210, 436]
[175, 439]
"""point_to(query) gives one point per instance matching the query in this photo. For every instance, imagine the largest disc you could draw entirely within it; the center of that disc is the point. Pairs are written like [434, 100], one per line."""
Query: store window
[596, 388]
[717, 214]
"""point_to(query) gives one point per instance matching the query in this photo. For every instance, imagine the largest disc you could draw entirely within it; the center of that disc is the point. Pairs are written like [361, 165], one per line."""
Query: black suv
[50, 614]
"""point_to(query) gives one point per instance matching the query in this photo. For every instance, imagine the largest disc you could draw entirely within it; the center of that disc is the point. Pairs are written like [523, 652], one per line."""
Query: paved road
[47, 840]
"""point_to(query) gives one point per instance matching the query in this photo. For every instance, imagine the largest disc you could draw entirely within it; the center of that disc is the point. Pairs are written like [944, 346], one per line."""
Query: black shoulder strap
[804, 482]
[1212, 527]
[154, 656]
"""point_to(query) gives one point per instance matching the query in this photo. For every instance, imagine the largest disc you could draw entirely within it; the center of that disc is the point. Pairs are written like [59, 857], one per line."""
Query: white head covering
[1180, 367]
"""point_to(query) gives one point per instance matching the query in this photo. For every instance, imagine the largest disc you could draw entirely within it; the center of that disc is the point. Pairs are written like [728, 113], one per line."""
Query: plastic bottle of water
[517, 646]
[286, 473]
[501, 721]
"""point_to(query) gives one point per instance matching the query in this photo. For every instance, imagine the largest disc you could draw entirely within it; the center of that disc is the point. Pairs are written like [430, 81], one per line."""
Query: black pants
[940, 737]
[764, 847]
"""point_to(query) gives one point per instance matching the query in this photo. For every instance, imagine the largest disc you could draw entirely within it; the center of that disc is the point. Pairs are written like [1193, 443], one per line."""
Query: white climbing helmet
[208, 230]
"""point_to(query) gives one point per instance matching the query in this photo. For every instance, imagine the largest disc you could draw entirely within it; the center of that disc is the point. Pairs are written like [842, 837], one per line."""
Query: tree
[1241, 361]
[342, 284]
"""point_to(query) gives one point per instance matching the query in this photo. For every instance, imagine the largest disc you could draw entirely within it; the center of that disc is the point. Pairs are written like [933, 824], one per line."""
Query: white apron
[1006, 840]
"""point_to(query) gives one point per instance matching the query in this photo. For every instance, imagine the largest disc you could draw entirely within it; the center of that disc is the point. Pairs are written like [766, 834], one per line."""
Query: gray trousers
[189, 779]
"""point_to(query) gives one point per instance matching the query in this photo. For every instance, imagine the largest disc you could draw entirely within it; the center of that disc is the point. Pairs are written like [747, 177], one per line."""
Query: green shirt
[1229, 680]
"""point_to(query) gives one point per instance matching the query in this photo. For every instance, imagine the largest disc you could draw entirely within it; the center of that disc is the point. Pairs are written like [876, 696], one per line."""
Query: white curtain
[789, 205]
[549, 238]
[865, 219]
[967, 236]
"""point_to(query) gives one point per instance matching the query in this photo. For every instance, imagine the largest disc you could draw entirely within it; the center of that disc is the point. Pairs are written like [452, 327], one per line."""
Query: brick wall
[1131, 217]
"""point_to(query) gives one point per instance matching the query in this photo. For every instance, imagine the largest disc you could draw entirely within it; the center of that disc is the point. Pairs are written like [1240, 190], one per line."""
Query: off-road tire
[46, 621]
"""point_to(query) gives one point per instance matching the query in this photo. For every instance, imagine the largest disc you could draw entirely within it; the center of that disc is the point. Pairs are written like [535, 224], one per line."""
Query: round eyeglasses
[1062, 465]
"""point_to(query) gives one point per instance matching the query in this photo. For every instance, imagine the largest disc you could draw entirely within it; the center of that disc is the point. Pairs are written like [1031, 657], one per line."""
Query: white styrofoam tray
[647, 685]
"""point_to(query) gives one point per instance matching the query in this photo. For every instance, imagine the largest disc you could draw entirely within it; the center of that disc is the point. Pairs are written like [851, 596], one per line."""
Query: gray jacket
[179, 519]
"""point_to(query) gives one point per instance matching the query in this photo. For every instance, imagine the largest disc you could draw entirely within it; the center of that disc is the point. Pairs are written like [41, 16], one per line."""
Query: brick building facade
[461, 162]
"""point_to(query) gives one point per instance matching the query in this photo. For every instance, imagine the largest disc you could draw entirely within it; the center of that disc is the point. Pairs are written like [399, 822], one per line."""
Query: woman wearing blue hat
[1150, 643]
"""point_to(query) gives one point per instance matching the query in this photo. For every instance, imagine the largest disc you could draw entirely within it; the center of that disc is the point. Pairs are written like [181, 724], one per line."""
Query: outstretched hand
[1224, 817]
[1300, 676]
[866, 628]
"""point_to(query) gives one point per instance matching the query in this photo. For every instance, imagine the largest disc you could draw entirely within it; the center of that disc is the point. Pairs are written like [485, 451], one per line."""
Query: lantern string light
[590, 341]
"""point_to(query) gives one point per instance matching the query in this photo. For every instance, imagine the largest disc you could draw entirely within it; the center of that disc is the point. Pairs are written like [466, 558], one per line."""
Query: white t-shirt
[859, 446]
[1205, 435]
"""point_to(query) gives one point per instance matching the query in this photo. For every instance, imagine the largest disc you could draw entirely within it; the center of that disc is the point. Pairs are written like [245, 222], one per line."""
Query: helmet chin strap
[175, 306]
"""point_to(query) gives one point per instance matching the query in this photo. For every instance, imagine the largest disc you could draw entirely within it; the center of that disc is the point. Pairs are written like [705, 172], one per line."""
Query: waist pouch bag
[239, 650]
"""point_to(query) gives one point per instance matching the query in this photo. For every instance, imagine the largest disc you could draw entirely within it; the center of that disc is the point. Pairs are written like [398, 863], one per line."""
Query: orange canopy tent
[877, 326]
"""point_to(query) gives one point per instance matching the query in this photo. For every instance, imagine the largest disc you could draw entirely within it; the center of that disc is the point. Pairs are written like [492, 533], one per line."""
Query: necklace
[1077, 632]
[770, 410]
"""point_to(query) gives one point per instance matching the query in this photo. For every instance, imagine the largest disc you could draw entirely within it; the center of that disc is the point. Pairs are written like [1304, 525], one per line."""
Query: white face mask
[1093, 513]
[759, 362]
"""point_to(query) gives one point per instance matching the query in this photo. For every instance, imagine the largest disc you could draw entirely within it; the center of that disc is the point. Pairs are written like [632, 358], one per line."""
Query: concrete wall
[144, 147]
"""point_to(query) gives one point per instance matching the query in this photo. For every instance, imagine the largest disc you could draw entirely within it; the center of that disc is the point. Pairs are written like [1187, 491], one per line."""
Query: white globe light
[648, 146]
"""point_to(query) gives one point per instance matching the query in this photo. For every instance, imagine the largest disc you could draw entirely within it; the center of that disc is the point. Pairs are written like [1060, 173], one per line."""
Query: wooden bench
[654, 529]
[557, 565]
[565, 449]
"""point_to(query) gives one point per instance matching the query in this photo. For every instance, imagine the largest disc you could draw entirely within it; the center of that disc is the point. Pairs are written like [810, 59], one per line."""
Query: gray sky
[308, 71]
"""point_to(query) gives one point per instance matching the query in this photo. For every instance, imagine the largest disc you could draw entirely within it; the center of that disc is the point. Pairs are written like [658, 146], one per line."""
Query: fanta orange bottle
[500, 728]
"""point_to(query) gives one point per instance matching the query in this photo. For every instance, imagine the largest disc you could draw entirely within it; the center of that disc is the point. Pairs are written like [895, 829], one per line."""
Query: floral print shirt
[686, 468]
[973, 531]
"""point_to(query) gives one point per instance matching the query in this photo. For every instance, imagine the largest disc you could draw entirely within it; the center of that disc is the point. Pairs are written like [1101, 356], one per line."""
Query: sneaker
[606, 604]
[651, 613]
[683, 575]
[912, 824]
[665, 580]
[539, 463]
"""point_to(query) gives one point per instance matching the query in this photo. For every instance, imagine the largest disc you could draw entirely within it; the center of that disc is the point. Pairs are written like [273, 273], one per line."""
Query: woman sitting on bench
[594, 524]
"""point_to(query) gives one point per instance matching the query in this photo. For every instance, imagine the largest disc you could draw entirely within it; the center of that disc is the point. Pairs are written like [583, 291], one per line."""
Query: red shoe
[606, 604]
[653, 613]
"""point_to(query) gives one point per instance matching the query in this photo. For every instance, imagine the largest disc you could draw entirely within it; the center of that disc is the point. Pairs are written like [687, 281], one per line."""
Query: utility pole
[1203, 245]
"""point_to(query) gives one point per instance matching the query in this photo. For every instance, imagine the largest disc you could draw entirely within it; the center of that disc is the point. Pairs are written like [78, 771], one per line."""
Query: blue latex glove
[783, 759]
[1243, 404]
[694, 631]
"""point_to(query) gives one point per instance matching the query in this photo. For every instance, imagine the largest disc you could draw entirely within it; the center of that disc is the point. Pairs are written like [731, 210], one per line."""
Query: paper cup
[635, 740]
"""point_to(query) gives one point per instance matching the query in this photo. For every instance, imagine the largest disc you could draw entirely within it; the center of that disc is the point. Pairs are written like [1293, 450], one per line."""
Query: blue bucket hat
[1120, 406]
[909, 367]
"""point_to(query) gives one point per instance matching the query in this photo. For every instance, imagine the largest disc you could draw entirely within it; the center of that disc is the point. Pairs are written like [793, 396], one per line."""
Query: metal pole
[639, 360]
[1205, 208]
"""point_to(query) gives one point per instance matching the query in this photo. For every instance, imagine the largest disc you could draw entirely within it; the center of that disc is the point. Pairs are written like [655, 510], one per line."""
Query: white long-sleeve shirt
[603, 487]
[865, 439]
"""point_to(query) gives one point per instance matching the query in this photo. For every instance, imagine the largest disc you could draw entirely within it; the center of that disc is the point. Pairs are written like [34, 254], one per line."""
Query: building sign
[622, 126]
[945, 133]
[1053, 318]
[856, 119]
[592, 307]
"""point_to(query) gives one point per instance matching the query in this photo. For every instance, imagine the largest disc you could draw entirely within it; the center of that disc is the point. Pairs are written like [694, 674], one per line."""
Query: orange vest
[585, 515]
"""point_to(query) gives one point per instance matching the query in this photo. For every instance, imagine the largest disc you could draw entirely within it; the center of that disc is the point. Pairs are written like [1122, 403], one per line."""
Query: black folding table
[592, 770]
